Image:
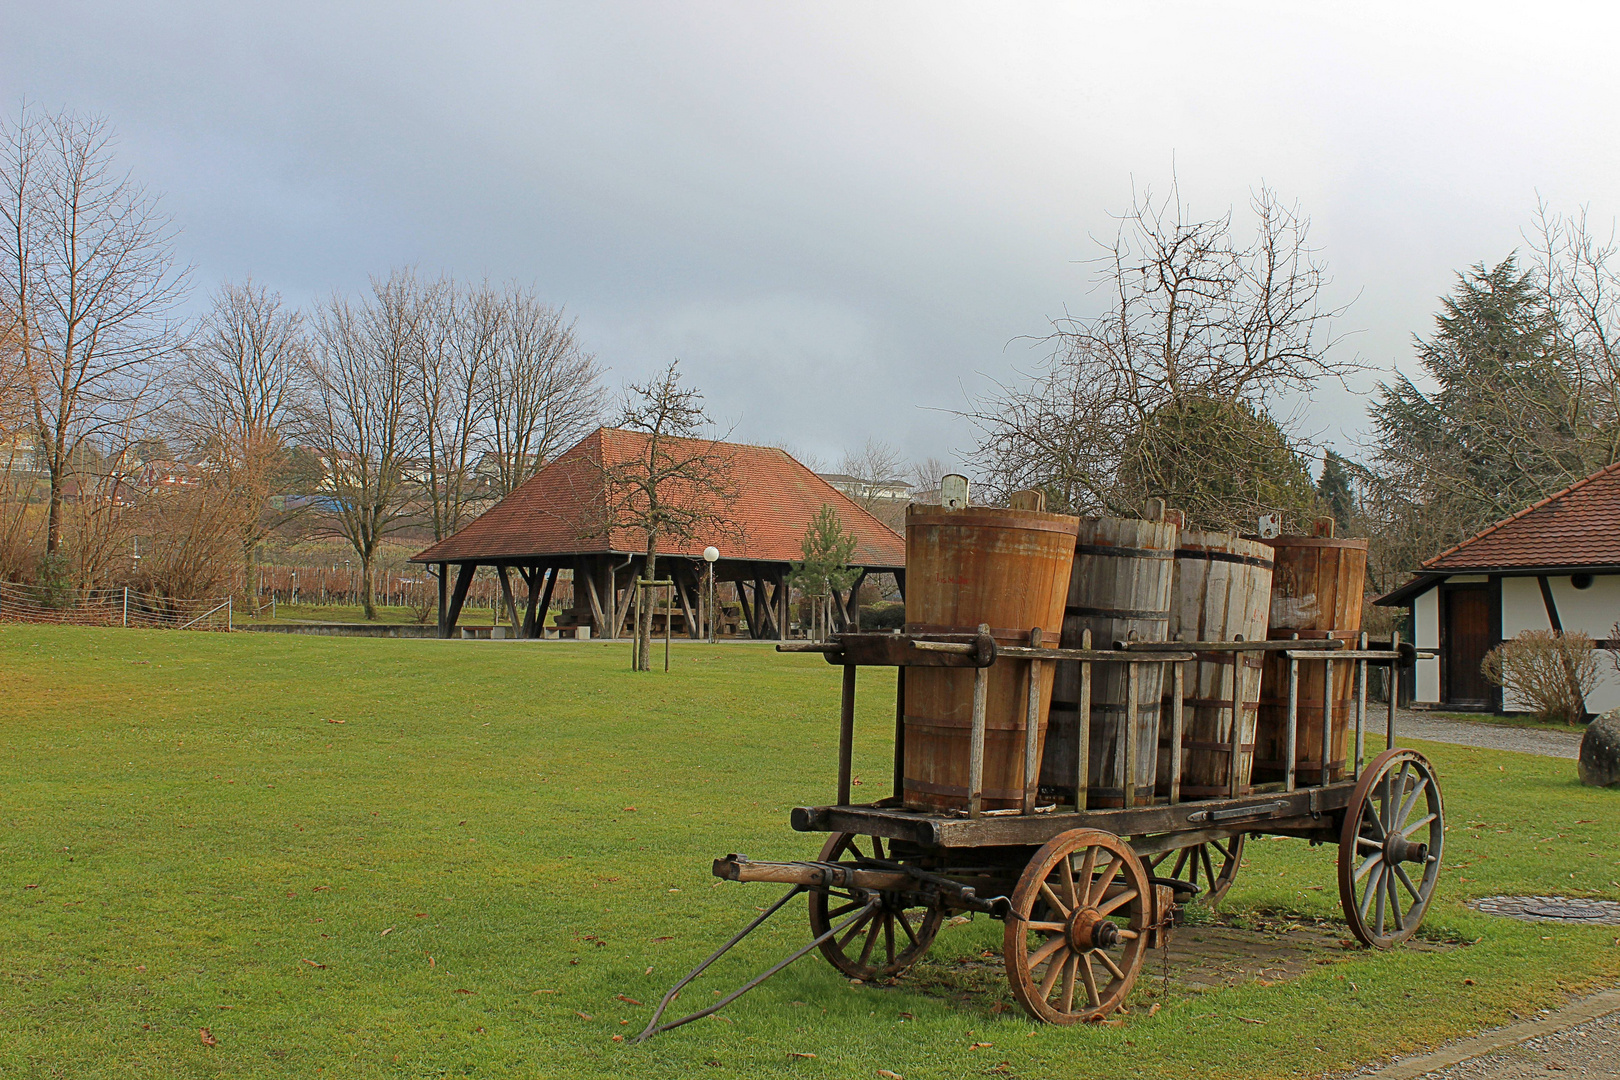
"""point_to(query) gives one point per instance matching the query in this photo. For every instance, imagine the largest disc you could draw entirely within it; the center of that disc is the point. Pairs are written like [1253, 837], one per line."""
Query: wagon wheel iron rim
[886, 942]
[1210, 865]
[1077, 930]
[1390, 848]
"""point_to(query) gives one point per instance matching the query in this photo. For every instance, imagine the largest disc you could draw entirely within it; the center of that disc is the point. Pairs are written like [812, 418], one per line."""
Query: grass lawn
[502, 842]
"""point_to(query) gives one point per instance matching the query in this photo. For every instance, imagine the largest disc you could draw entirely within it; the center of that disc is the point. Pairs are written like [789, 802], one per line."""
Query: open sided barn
[1554, 565]
[560, 521]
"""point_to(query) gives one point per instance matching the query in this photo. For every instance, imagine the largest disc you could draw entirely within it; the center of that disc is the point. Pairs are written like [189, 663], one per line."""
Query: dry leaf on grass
[207, 1037]
[618, 1038]
[390, 930]
[631, 1000]
[1246, 1020]
[799, 1054]
[460, 991]
[583, 1016]
[981, 1046]
[312, 963]
[337, 721]
[1154, 1008]
[887, 1075]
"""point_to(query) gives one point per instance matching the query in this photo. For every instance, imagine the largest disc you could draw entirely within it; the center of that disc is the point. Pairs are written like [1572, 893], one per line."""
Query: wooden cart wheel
[1076, 933]
[886, 943]
[1210, 865]
[1395, 820]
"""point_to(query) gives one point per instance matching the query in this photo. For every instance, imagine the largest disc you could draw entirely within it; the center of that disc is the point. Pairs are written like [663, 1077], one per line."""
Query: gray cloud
[836, 216]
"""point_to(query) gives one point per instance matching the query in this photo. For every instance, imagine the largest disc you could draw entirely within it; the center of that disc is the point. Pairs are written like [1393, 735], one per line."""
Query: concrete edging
[1571, 1015]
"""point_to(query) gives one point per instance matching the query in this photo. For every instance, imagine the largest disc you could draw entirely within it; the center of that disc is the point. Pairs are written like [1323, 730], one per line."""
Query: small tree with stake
[827, 549]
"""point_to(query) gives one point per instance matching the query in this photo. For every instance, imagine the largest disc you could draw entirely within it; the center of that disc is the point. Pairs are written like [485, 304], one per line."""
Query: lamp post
[710, 555]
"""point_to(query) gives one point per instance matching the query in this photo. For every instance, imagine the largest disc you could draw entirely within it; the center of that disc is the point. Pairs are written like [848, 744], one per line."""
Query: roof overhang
[1425, 580]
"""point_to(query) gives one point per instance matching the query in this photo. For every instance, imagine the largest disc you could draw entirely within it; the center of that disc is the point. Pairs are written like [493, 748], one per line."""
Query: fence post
[126, 607]
[230, 610]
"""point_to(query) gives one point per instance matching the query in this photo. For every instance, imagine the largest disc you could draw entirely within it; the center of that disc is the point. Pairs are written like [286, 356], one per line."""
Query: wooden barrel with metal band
[1008, 569]
[1316, 592]
[1221, 592]
[1120, 591]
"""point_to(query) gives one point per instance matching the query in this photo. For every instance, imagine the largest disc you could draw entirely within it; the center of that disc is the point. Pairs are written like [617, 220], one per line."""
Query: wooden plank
[1308, 808]
[1128, 773]
[583, 575]
[981, 682]
[1082, 752]
[1361, 711]
[1291, 742]
[1220, 646]
[1327, 719]
[1394, 692]
[900, 733]
[623, 610]
[1178, 689]
[1032, 726]
[846, 736]
[1115, 656]
[1235, 739]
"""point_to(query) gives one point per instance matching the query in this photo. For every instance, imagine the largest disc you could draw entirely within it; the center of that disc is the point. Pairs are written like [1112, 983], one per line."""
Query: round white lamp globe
[710, 554]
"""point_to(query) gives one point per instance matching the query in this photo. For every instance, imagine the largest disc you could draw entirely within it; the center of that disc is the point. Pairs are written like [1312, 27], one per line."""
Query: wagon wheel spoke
[1203, 853]
[1372, 861]
[1054, 968]
[1052, 945]
[1418, 824]
[1066, 872]
[1108, 962]
[919, 922]
[1108, 906]
[1068, 982]
[1090, 977]
[1181, 861]
[1096, 889]
[1088, 865]
[1394, 898]
[1371, 890]
[1400, 872]
[1058, 905]
[1411, 800]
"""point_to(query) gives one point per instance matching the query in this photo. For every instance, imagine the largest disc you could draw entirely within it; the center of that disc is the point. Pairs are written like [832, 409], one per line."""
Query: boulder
[1600, 751]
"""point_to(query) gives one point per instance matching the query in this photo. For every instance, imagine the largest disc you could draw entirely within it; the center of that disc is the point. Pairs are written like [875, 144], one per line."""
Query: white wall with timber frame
[1589, 603]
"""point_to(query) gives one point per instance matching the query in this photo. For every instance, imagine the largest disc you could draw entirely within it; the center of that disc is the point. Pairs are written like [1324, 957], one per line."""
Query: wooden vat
[1221, 592]
[1316, 592]
[1008, 569]
[1120, 591]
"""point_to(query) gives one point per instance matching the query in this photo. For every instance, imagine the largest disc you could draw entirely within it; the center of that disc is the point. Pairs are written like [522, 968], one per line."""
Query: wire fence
[111, 607]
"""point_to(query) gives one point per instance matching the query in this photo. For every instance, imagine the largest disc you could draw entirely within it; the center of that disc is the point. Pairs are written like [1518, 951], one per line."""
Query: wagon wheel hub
[1398, 849]
[1088, 930]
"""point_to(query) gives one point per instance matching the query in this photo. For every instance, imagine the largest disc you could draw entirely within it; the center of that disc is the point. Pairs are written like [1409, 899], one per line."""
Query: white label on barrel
[1270, 526]
[953, 491]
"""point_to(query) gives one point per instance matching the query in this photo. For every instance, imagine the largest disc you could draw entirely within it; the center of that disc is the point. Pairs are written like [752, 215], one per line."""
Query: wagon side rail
[981, 651]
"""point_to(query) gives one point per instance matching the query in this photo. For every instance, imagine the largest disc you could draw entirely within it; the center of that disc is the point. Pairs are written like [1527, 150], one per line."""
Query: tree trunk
[644, 621]
[368, 599]
[53, 526]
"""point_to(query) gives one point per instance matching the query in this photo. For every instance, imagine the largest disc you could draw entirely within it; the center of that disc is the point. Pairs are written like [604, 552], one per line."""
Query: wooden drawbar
[1120, 591]
[1316, 594]
[1008, 569]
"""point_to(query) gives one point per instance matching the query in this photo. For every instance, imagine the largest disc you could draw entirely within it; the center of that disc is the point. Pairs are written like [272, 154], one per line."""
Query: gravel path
[1417, 725]
[1589, 1049]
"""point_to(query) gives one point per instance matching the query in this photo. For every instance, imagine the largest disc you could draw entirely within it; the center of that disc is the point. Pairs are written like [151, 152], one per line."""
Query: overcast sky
[841, 218]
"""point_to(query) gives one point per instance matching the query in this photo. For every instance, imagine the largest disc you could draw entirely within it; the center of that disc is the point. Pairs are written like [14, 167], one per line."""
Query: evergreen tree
[827, 548]
[1505, 425]
[1336, 491]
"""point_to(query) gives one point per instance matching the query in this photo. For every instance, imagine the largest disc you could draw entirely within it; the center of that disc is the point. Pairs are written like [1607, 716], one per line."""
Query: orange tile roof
[1576, 527]
[550, 514]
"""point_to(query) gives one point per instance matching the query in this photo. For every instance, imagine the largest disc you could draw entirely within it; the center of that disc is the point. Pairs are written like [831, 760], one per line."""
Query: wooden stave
[1243, 566]
[1148, 597]
[938, 712]
[1300, 559]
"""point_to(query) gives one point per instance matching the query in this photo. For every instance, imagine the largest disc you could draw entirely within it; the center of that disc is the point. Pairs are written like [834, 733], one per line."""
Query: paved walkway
[1580, 1040]
[1419, 725]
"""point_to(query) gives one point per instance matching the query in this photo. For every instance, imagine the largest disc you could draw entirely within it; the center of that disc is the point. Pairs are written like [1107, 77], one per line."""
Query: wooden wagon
[1086, 893]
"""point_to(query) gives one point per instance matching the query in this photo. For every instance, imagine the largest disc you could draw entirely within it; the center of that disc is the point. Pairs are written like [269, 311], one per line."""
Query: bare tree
[1201, 333]
[88, 285]
[456, 343]
[679, 485]
[244, 389]
[543, 389]
[363, 363]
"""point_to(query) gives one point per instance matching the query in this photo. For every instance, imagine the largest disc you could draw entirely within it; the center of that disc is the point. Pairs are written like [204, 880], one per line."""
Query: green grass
[189, 841]
[354, 613]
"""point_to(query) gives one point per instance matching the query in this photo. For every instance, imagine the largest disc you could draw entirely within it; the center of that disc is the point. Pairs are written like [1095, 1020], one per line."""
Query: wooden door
[1467, 615]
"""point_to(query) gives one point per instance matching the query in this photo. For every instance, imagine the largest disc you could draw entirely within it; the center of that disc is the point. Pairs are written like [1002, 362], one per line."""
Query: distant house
[869, 492]
[1551, 566]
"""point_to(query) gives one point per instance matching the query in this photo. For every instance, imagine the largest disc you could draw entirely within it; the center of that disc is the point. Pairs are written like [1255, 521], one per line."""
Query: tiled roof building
[558, 520]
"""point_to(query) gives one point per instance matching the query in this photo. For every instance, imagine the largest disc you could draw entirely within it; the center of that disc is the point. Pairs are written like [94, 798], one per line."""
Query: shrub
[883, 617]
[1550, 672]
